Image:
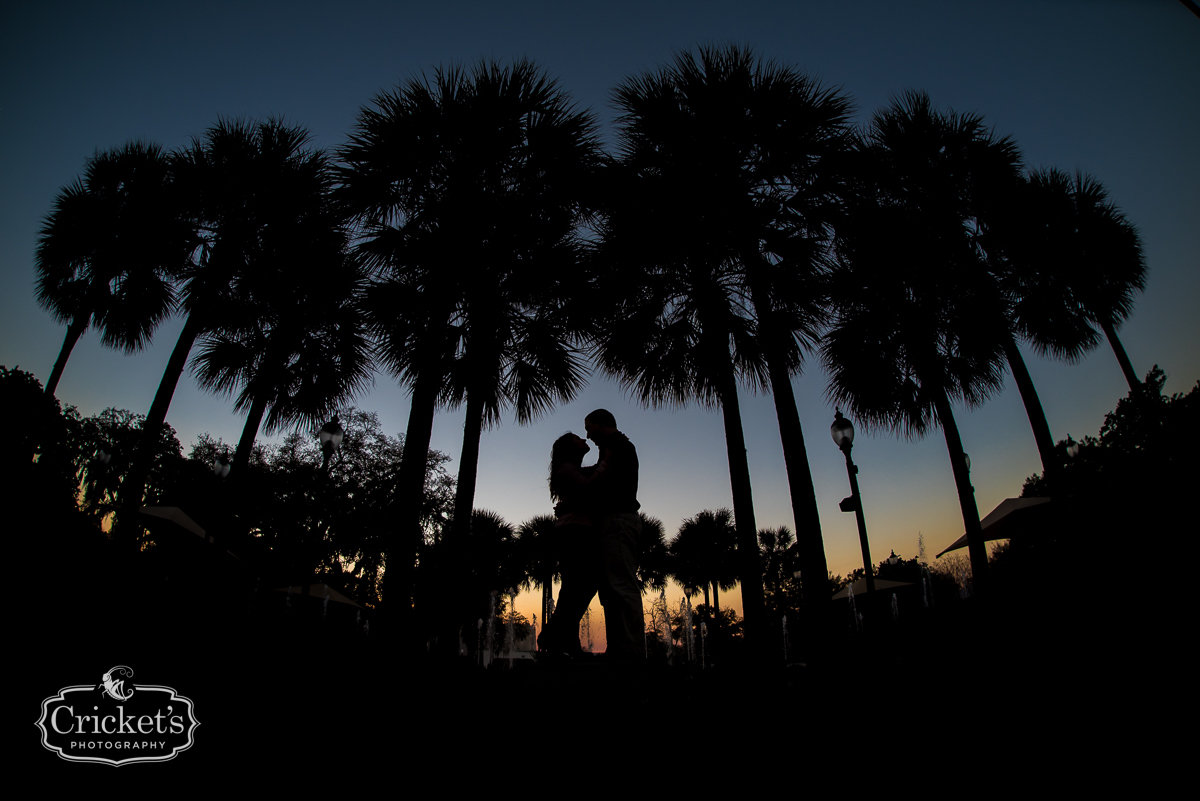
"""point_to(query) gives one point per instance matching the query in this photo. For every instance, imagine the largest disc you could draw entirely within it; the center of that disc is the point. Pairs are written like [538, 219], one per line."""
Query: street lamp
[842, 432]
[331, 440]
[221, 465]
[1072, 448]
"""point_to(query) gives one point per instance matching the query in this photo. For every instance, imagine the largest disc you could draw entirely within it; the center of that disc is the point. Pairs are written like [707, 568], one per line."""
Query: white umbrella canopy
[180, 518]
[321, 591]
[860, 587]
[176, 516]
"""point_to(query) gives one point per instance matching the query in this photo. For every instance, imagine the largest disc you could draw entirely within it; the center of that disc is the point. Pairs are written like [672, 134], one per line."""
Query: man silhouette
[620, 530]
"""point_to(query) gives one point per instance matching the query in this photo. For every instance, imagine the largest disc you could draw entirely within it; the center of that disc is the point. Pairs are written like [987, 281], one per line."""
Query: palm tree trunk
[406, 535]
[966, 493]
[134, 487]
[803, 496]
[74, 332]
[1122, 357]
[468, 469]
[241, 456]
[453, 564]
[749, 565]
[1033, 408]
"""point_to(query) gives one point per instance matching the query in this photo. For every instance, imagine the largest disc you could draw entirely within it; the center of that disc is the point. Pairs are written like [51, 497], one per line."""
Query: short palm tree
[536, 537]
[703, 552]
[779, 551]
[654, 561]
[919, 320]
[109, 251]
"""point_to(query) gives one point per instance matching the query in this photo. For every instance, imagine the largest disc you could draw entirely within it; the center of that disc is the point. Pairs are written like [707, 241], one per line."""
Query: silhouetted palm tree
[717, 197]
[780, 555]
[743, 149]
[109, 251]
[920, 322]
[654, 561]
[248, 189]
[536, 536]
[1034, 265]
[470, 190]
[703, 553]
[297, 354]
[1077, 264]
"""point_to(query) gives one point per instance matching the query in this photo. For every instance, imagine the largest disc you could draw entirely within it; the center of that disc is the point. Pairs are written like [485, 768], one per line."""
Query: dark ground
[1026, 681]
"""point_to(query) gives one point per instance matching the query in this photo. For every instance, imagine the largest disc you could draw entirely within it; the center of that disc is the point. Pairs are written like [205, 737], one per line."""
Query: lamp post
[842, 432]
[330, 436]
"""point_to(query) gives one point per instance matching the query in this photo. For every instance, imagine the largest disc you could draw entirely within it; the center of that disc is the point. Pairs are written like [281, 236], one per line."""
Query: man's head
[598, 424]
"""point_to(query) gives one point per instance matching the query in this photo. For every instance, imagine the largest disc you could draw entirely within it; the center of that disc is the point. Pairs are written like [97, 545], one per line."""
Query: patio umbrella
[1013, 515]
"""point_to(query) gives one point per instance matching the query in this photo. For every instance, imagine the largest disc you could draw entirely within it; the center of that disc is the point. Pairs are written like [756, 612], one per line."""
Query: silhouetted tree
[1055, 259]
[469, 188]
[654, 561]
[248, 188]
[919, 320]
[740, 153]
[110, 249]
[334, 522]
[1073, 262]
[702, 554]
[537, 537]
[295, 354]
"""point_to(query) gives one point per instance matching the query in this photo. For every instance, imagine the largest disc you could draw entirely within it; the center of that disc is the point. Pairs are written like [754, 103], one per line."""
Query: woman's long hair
[563, 450]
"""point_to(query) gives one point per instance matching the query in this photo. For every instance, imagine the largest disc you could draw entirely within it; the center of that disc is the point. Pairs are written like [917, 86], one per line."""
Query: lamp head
[331, 435]
[842, 431]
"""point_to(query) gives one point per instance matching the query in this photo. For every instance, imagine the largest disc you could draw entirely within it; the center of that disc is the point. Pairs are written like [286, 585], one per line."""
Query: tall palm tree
[109, 250]
[747, 147]
[1032, 261]
[730, 156]
[680, 336]
[250, 190]
[299, 353]
[1073, 262]
[919, 320]
[470, 189]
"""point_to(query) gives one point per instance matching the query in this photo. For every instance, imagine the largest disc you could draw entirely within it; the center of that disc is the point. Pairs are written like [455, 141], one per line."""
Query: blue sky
[1108, 87]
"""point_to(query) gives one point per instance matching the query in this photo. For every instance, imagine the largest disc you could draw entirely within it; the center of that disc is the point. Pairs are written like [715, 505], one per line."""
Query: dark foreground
[286, 697]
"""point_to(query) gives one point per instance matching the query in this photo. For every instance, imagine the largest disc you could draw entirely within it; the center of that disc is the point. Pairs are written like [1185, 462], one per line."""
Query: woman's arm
[573, 474]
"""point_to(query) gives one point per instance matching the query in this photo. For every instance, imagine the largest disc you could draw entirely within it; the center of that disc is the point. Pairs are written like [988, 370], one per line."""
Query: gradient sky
[1107, 86]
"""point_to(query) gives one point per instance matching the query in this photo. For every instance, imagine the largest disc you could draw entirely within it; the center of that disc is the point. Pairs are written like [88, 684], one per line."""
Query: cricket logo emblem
[114, 687]
[117, 725]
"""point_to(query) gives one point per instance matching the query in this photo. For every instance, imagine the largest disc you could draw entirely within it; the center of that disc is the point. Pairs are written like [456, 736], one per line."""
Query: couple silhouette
[597, 529]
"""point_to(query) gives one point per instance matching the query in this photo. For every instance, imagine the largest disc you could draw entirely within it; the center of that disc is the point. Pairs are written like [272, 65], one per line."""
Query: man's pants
[621, 594]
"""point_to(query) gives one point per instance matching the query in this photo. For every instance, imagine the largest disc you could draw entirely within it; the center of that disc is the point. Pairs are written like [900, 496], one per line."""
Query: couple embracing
[597, 529]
